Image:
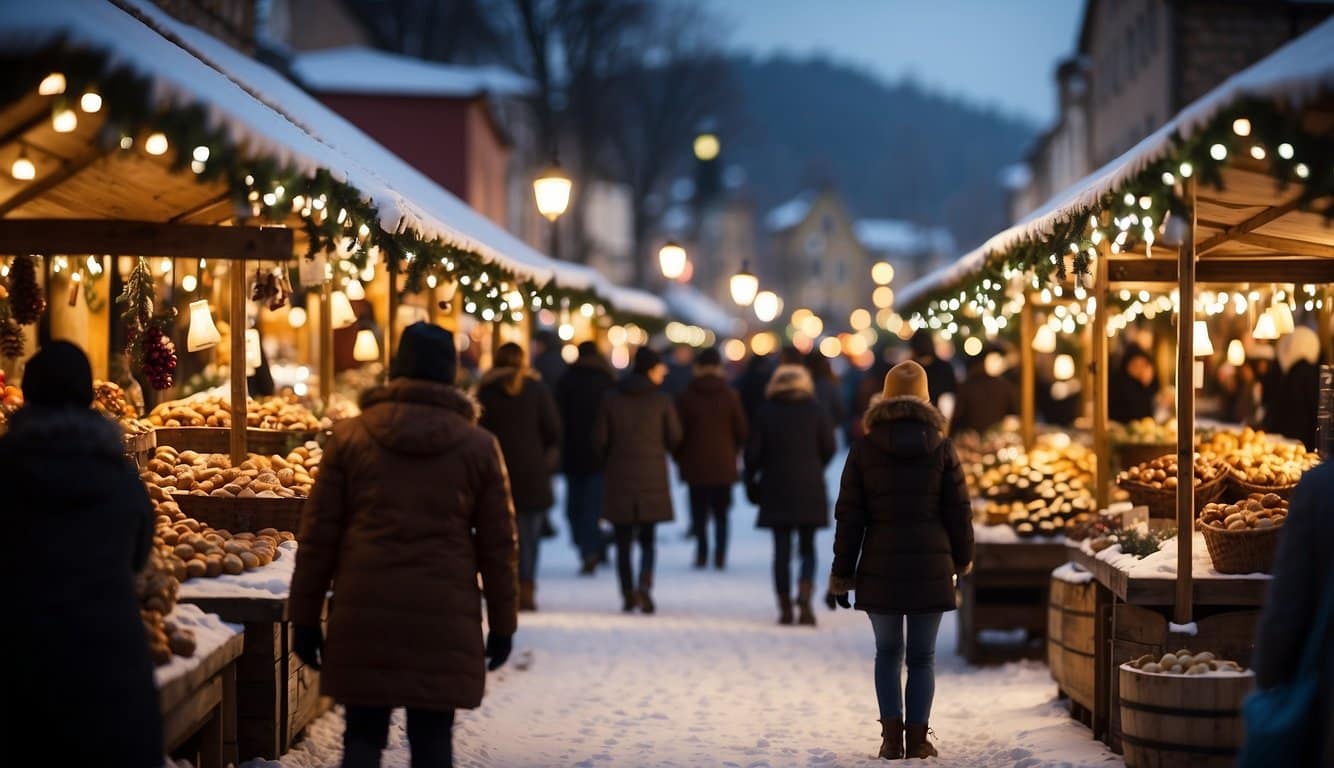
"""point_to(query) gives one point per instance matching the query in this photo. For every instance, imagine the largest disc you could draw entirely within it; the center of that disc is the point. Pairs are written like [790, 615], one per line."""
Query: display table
[197, 695]
[1006, 593]
[1133, 616]
[277, 694]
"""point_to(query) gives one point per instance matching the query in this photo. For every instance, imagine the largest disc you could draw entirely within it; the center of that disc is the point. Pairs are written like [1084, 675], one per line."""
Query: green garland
[332, 213]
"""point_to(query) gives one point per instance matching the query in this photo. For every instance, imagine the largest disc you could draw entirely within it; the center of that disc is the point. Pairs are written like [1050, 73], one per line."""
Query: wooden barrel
[1070, 639]
[1181, 720]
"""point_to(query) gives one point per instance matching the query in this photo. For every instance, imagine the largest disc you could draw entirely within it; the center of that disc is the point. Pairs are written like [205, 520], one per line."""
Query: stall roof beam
[68, 170]
[1287, 245]
[1249, 225]
[145, 238]
[1264, 269]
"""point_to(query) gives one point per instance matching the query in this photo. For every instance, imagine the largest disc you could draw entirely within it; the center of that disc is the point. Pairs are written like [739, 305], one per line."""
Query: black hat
[58, 376]
[425, 351]
[588, 349]
[708, 358]
[646, 359]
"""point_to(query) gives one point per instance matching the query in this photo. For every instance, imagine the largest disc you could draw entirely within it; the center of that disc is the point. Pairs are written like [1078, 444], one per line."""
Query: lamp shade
[252, 353]
[1063, 368]
[366, 349]
[1044, 340]
[672, 260]
[203, 334]
[1282, 315]
[1265, 329]
[340, 310]
[551, 188]
[768, 306]
[1236, 352]
[744, 285]
[1204, 346]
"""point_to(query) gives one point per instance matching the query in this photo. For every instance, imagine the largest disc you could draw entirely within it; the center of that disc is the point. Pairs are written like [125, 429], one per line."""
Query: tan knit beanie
[907, 379]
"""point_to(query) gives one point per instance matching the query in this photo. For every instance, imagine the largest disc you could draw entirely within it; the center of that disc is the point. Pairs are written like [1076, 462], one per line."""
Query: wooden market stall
[134, 140]
[1235, 193]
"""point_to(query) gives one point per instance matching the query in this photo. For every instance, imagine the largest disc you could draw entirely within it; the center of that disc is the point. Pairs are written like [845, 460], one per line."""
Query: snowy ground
[712, 680]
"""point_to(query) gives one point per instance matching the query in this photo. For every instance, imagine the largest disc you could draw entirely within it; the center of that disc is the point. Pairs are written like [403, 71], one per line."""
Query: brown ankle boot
[527, 596]
[915, 742]
[891, 731]
[805, 615]
[785, 610]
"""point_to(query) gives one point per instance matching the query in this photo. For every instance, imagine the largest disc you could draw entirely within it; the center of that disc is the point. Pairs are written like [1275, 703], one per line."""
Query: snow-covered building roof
[896, 236]
[358, 69]
[695, 308]
[791, 213]
[1295, 74]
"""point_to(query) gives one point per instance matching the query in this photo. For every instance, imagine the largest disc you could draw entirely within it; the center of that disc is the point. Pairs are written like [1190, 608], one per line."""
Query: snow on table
[1163, 563]
[1071, 573]
[210, 633]
[712, 680]
[267, 583]
[1005, 534]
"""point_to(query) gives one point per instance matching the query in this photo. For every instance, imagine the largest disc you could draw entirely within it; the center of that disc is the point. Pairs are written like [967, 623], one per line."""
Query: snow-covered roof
[898, 237]
[693, 307]
[1295, 74]
[358, 69]
[790, 214]
[267, 114]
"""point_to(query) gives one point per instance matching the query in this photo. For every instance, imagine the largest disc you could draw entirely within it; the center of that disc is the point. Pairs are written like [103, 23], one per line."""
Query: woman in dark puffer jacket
[904, 530]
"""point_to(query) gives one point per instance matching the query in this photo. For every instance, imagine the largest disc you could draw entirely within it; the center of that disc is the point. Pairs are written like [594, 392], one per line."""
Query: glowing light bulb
[156, 144]
[91, 102]
[52, 85]
[64, 120]
[1241, 126]
[23, 168]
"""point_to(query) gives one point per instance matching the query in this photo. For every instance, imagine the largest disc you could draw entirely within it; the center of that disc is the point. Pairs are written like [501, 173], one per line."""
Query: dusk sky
[995, 53]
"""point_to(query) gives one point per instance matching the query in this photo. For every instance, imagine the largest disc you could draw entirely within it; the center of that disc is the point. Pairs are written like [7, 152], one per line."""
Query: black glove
[498, 649]
[834, 601]
[308, 644]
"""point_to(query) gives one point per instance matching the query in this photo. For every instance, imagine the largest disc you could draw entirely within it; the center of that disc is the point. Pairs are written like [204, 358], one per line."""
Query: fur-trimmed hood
[790, 382]
[904, 426]
[405, 415]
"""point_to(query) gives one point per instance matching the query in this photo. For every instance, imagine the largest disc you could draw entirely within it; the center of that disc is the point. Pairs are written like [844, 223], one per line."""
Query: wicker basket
[218, 439]
[1240, 489]
[236, 515]
[1248, 551]
[1162, 502]
[1128, 455]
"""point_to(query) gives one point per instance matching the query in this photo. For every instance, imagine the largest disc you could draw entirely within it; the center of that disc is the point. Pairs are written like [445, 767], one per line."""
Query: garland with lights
[335, 217]
[1136, 212]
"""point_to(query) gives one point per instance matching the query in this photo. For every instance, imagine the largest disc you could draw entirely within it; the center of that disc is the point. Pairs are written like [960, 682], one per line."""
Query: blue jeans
[889, 656]
[583, 506]
[529, 523]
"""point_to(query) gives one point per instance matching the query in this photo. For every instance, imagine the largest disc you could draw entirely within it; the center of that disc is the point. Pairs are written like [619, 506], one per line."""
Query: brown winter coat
[412, 503]
[713, 425]
[635, 431]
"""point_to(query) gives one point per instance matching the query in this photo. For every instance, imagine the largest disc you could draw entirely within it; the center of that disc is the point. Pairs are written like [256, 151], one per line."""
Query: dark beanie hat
[646, 359]
[588, 349]
[425, 351]
[708, 358]
[59, 376]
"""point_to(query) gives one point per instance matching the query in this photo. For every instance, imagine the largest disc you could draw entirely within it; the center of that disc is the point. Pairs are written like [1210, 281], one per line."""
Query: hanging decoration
[146, 339]
[25, 296]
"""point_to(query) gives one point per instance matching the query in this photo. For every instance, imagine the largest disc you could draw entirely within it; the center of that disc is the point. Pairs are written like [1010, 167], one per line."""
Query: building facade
[816, 260]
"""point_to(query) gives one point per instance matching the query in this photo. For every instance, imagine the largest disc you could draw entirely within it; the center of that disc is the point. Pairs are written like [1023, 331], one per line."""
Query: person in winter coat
[1303, 577]
[1132, 391]
[903, 532]
[636, 430]
[517, 407]
[579, 397]
[411, 504]
[985, 397]
[751, 385]
[80, 527]
[713, 425]
[1293, 413]
[827, 391]
[939, 373]
[785, 461]
[547, 360]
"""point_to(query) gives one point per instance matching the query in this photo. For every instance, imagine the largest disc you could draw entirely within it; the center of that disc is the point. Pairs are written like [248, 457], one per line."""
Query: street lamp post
[551, 188]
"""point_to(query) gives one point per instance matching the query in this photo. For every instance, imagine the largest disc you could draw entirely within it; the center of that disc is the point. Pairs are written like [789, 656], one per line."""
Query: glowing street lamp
[706, 147]
[552, 190]
[672, 260]
[768, 306]
[744, 286]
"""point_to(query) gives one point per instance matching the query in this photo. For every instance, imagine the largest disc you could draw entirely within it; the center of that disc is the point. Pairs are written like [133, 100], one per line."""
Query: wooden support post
[1098, 369]
[1186, 413]
[1027, 376]
[236, 276]
[391, 324]
[326, 343]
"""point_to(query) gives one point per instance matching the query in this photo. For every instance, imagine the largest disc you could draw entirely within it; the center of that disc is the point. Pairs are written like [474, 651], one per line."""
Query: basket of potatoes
[261, 492]
[1153, 484]
[202, 423]
[1243, 537]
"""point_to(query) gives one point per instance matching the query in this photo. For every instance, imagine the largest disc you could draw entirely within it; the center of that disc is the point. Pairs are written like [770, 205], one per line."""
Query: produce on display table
[1257, 461]
[1184, 662]
[11, 399]
[211, 410]
[1144, 431]
[110, 401]
[211, 474]
[1038, 493]
[1243, 537]
[1162, 473]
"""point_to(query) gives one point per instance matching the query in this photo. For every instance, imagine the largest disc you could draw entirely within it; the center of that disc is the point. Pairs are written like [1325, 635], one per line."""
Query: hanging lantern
[1063, 368]
[1044, 340]
[1204, 346]
[767, 306]
[203, 334]
[340, 310]
[366, 349]
[1282, 315]
[1236, 353]
[296, 317]
[253, 357]
[672, 260]
[552, 190]
[744, 285]
[1264, 328]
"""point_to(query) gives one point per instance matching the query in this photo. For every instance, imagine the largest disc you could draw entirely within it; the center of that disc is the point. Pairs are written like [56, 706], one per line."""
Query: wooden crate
[1071, 644]
[1179, 720]
[237, 515]
[218, 439]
